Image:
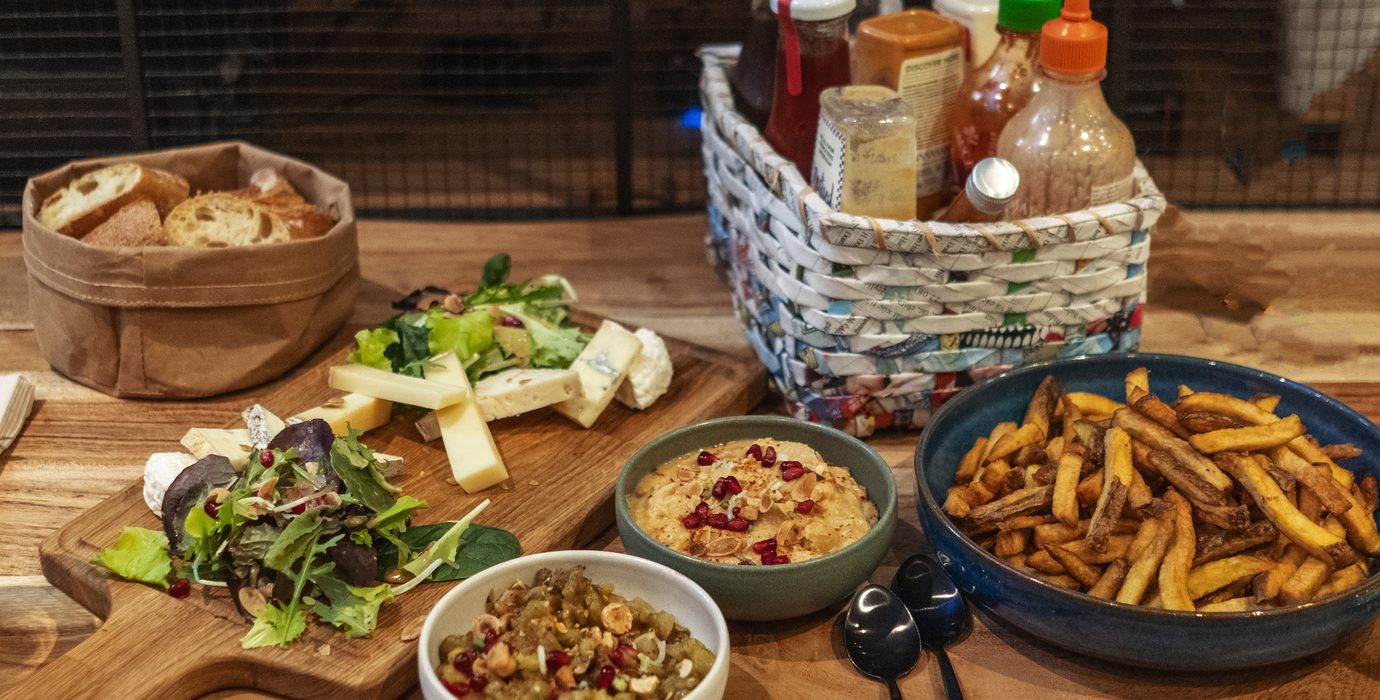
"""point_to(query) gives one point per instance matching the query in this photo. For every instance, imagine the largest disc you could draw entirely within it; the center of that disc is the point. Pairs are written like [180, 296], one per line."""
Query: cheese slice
[602, 366]
[521, 390]
[400, 388]
[234, 445]
[363, 413]
[474, 459]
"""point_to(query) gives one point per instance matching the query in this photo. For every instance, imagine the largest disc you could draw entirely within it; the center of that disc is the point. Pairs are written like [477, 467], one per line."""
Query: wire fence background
[519, 109]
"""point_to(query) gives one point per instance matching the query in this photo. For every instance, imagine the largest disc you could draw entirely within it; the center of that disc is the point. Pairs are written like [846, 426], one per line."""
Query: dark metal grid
[530, 108]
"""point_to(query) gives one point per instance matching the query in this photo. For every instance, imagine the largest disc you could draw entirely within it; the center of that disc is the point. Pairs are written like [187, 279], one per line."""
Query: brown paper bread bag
[171, 322]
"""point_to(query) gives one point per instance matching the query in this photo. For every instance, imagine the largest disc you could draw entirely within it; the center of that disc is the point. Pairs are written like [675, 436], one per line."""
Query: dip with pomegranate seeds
[758, 501]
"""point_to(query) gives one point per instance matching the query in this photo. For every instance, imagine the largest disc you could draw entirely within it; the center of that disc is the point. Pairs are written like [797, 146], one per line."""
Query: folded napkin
[16, 400]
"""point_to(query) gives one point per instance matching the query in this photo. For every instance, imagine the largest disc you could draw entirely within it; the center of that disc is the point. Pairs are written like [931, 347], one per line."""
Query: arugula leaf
[139, 555]
[362, 538]
[467, 334]
[496, 270]
[356, 466]
[275, 626]
[354, 609]
[371, 346]
[295, 542]
[481, 547]
[443, 548]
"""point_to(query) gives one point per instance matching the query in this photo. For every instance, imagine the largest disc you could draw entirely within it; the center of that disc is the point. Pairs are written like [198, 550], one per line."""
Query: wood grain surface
[81, 446]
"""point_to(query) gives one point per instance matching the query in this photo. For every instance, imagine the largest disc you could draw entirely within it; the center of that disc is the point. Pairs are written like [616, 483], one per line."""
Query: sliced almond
[724, 547]
[802, 488]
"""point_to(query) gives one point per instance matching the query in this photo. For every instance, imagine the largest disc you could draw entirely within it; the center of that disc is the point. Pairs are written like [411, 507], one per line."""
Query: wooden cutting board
[559, 497]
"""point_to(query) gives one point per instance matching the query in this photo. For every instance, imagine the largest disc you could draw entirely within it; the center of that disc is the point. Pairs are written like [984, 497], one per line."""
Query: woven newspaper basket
[867, 324]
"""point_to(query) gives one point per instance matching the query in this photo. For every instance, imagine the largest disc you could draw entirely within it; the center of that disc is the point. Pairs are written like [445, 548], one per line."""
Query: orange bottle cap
[1074, 42]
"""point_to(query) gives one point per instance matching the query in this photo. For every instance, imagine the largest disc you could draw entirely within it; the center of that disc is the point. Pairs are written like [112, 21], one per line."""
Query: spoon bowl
[881, 637]
[939, 611]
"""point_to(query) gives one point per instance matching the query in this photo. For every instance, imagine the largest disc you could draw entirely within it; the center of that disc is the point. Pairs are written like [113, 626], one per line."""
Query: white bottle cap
[992, 184]
[815, 10]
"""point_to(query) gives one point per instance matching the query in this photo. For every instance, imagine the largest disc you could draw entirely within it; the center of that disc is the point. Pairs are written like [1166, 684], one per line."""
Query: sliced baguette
[223, 220]
[136, 224]
[270, 190]
[87, 201]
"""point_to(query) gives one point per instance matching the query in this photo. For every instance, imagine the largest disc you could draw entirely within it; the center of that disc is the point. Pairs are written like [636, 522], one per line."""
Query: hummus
[758, 501]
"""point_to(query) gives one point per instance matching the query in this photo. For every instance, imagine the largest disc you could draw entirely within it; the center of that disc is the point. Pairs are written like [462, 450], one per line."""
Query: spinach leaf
[481, 547]
[354, 463]
[496, 270]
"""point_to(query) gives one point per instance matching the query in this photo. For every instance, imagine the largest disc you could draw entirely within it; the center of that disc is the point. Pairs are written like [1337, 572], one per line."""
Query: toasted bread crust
[136, 224]
[270, 190]
[81, 206]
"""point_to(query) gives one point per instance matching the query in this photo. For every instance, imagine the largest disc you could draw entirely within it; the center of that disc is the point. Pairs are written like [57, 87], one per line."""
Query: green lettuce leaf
[553, 346]
[295, 542]
[139, 555]
[275, 626]
[394, 520]
[371, 346]
[353, 609]
[467, 334]
[356, 466]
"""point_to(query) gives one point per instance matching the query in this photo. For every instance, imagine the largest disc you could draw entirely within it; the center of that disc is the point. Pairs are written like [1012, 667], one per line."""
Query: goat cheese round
[649, 376]
[159, 473]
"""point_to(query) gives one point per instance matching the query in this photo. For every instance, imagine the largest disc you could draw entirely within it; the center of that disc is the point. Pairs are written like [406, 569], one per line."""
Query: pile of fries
[1212, 504]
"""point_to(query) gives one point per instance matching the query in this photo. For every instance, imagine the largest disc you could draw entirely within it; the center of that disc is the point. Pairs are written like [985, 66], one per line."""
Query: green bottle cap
[1026, 15]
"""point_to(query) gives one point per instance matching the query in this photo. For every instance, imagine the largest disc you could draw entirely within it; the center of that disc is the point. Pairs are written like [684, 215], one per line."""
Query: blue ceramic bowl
[1128, 634]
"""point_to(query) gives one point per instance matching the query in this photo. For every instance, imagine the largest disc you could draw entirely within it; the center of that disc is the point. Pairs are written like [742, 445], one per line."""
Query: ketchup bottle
[811, 55]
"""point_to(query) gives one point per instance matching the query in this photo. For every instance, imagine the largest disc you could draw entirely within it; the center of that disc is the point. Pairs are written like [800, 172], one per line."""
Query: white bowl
[631, 577]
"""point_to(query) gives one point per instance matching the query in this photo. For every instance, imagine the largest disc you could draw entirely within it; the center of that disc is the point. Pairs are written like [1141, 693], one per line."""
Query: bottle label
[1117, 191]
[827, 170]
[929, 85]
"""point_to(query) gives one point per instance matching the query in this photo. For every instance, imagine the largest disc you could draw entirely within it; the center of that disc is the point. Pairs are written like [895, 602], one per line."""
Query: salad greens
[498, 326]
[292, 537]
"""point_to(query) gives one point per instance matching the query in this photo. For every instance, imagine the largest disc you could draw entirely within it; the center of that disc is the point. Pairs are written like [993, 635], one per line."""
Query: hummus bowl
[815, 577]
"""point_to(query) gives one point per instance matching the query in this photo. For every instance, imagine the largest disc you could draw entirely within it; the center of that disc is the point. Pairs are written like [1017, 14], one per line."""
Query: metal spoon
[881, 637]
[939, 611]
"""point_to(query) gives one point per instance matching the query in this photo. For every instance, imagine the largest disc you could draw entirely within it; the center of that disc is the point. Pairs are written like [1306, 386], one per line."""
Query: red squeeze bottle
[811, 55]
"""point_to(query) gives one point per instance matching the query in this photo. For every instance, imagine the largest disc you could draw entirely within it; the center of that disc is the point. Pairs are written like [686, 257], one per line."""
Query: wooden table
[1293, 293]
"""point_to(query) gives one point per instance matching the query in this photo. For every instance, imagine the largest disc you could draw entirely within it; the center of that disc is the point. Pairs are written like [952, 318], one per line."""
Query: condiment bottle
[979, 20]
[990, 186]
[811, 54]
[920, 55]
[750, 80]
[865, 152]
[1070, 149]
[1001, 87]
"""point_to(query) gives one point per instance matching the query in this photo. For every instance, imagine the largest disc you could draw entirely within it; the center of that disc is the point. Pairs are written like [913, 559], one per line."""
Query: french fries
[1211, 503]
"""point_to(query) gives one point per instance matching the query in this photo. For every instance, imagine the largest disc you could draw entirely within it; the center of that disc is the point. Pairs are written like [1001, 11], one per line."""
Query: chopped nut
[822, 491]
[500, 661]
[533, 482]
[453, 303]
[724, 547]
[565, 677]
[646, 685]
[325, 650]
[265, 490]
[748, 513]
[487, 623]
[686, 474]
[414, 629]
[804, 486]
[684, 668]
[617, 618]
[765, 503]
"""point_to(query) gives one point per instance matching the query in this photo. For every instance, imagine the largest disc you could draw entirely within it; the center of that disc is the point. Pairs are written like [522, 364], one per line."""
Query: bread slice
[223, 220]
[137, 224]
[270, 190]
[92, 198]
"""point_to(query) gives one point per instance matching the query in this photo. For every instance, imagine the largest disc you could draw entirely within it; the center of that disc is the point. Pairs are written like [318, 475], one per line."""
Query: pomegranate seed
[804, 507]
[266, 458]
[733, 485]
[792, 474]
[211, 507]
[720, 489]
[769, 457]
[702, 509]
[790, 464]
[478, 682]
[737, 525]
[299, 509]
[755, 451]
[706, 458]
[605, 678]
[464, 662]
[553, 694]
[556, 659]
[625, 655]
[764, 546]
[737, 510]
[490, 638]
[691, 521]
[781, 559]
[457, 688]
[717, 520]
[768, 558]
[512, 322]
[180, 588]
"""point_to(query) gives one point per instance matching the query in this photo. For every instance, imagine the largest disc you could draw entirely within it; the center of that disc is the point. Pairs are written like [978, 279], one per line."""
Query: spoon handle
[895, 689]
[951, 687]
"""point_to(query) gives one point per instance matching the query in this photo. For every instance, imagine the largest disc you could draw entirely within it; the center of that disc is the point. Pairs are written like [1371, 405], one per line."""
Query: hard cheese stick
[400, 388]
[363, 413]
[602, 366]
[474, 458]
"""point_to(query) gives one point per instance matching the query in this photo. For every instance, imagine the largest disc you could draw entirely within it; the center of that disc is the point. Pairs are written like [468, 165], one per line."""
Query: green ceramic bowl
[785, 590]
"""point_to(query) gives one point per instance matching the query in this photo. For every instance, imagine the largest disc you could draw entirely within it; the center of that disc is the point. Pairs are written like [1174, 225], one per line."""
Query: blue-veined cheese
[602, 366]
